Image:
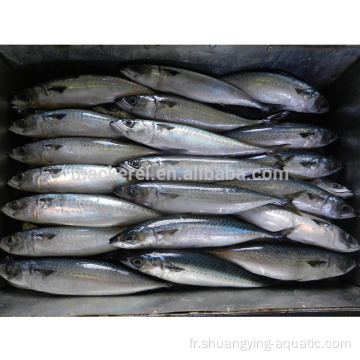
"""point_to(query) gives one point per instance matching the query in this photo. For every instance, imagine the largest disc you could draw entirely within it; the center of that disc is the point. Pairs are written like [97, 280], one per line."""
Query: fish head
[327, 136]
[138, 130]
[333, 187]
[150, 263]
[328, 165]
[144, 105]
[338, 208]
[313, 101]
[144, 74]
[341, 264]
[29, 126]
[135, 193]
[28, 98]
[20, 181]
[135, 238]
[22, 208]
[27, 153]
[134, 165]
[11, 271]
[13, 243]
[348, 242]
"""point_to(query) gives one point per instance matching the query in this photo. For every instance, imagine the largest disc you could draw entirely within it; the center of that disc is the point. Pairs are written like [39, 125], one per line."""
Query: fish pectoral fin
[163, 127]
[169, 72]
[174, 268]
[320, 222]
[40, 271]
[59, 89]
[52, 171]
[167, 232]
[307, 134]
[286, 232]
[46, 201]
[308, 164]
[169, 195]
[48, 236]
[316, 263]
[53, 146]
[277, 116]
[172, 162]
[58, 116]
[292, 208]
[274, 108]
[168, 103]
[294, 195]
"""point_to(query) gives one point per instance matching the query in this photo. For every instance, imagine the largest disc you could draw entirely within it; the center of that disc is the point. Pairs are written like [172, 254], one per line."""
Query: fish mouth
[119, 127]
[6, 209]
[17, 130]
[13, 154]
[18, 104]
[14, 184]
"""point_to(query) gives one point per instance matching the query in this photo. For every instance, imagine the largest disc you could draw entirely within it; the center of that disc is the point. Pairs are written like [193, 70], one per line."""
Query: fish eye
[133, 191]
[21, 150]
[137, 262]
[8, 269]
[132, 100]
[129, 238]
[135, 164]
[348, 263]
[345, 208]
[19, 177]
[129, 122]
[21, 123]
[14, 205]
[23, 96]
[350, 239]
[10, 240]
[336, 186]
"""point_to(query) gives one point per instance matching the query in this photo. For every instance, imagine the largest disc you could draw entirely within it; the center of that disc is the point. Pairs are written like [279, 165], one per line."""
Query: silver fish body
[190, 84]
[303, 164]
[173, 197]
[306, 197]
[78, 150]
[283, 90]
[288, 262]
[77, 210]
[189, 231]
[182, 139]
[175, 109]
[307, 229]
[67, 122]
[79, 179]
[80, 91]
[60, 241]
[333, 188]
[191, 268]
[76, 277]
[190, 168]
[290, 135]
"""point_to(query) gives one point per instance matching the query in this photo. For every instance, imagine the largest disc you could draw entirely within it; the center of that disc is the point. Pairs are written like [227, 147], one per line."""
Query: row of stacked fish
[100, 135]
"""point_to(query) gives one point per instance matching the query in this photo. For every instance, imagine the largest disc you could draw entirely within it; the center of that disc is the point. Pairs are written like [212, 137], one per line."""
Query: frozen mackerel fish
[190, 231]
[307, 229]
[78, 91]
[60, 241]
[193, 268]
[175, 197]
[67, 122]
[78, 150]
[77, 178]
[190, 84]
[287, 261]
[182, 139]
[175, 109]
[81, 277]
[77, 210]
